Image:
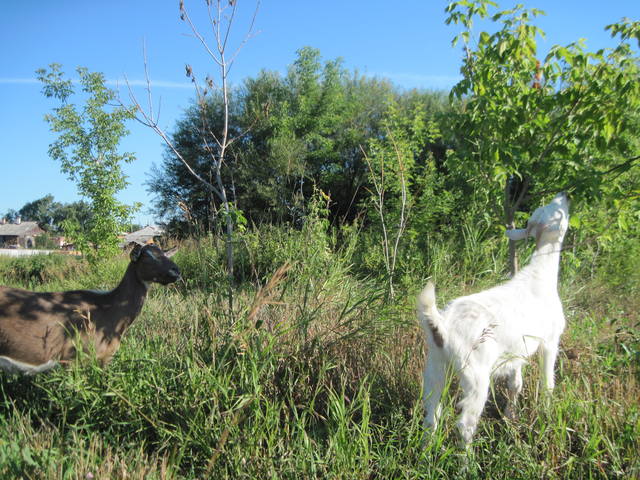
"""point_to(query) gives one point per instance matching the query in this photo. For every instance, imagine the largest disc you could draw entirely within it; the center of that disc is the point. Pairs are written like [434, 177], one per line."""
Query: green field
[311, 204]
[318, 375]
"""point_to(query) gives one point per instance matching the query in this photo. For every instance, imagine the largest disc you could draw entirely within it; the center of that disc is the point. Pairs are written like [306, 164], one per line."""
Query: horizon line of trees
[312, 129]
[50, 214]
[321, 127]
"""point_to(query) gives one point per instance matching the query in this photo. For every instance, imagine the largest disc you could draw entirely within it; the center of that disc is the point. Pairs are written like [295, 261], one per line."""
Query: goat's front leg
[514, 387]
[434, 378]
[549, 355]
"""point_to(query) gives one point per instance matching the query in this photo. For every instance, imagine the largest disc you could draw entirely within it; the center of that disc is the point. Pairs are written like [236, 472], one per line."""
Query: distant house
[148, 234]
[19, 234]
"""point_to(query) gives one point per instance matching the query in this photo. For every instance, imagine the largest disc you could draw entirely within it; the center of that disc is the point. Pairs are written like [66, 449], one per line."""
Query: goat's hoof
[510, 413]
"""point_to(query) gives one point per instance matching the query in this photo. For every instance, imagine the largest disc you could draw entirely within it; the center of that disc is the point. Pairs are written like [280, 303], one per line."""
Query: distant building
[19, 234]
[148, 234]
[61, 242]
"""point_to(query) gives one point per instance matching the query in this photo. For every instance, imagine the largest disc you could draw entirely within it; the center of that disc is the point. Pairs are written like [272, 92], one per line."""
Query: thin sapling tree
[87, 149]
[222, 16]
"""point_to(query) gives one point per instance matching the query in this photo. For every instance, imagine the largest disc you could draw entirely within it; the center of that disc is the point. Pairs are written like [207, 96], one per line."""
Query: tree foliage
[87, 149]
[303, 131]
[51, 215]
[550, 124]
[533, 125]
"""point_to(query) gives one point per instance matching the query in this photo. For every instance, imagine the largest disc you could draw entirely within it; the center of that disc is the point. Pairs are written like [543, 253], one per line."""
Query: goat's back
[35, 326]
[503, 320]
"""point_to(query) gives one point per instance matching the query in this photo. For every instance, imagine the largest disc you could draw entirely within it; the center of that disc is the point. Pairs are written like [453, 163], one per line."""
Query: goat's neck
[130, 294]
[544, 265]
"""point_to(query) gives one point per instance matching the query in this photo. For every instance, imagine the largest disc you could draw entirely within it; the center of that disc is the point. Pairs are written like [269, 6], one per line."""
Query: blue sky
[407, 42]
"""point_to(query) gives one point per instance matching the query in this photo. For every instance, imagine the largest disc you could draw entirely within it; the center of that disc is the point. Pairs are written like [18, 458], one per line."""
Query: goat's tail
[429, 315]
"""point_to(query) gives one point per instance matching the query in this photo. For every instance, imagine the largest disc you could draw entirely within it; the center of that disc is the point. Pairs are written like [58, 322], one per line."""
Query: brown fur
[437, 335]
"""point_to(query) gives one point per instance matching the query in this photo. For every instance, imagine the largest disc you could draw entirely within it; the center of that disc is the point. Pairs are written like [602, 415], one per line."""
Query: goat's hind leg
[475, 390]
[434, 380]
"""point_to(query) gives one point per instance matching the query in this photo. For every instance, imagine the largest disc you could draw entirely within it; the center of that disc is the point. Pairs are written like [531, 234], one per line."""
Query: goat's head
[153, 265]
[549, 222]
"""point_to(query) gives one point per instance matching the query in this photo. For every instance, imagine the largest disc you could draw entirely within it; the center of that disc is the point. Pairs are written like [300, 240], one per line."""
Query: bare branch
[148, 82]
[229, 23]
[247, 36]
[403, 219]
[146, 119]
[187, 18]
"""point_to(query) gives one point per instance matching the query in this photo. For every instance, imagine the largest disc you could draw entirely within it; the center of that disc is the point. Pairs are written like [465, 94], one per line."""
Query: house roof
[20, 229]
[143, 235]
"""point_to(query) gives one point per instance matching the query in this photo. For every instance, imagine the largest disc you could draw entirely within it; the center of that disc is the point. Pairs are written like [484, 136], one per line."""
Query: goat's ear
[135, 252]
[171, 252]
[517, 234]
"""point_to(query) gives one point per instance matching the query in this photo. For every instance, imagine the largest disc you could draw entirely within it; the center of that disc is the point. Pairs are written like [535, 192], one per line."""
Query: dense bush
[34, 271]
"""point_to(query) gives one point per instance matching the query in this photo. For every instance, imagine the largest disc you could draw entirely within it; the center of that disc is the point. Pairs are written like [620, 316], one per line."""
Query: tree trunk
[509, 219]
[513, 253]
[512, 202]
[228, 237]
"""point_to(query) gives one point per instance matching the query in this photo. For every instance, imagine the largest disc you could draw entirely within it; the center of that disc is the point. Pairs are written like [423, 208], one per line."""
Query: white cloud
[122, 83]
[17, 81]
[154, 83]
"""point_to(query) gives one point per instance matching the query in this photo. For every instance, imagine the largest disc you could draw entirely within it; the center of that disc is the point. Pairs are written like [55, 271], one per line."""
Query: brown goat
[40, 330]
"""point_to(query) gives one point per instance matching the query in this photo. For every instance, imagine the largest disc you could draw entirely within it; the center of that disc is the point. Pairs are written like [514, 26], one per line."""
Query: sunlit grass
[321, 380]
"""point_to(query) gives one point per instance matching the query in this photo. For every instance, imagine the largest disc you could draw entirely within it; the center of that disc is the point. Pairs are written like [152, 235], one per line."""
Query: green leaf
[574, 221]
[502, 46]
[607, 130]
[499, 172]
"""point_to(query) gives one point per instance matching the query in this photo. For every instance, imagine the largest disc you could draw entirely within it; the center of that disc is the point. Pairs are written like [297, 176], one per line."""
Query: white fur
[491, 333]
[14, 366]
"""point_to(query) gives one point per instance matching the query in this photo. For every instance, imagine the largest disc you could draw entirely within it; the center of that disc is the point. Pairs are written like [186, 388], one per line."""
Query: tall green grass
[317, 375]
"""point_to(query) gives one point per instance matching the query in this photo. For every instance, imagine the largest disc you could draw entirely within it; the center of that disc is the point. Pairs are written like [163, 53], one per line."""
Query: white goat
[491, 333]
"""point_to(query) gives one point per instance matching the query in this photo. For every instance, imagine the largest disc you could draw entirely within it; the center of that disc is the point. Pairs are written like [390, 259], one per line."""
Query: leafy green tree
[295, 125]
[39, 210]
[532, 126]
[50, 214]
[271, 160]
[87, 149]
[11, 215]
[301, 131]
[179, 195]
[77, 213]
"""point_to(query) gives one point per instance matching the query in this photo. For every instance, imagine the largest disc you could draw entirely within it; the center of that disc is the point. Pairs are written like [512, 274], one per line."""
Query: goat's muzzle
[172, 276]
